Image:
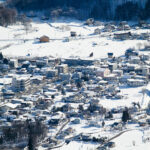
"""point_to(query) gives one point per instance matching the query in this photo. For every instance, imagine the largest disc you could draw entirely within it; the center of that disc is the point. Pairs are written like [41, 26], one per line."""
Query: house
[25, 64]
[76, 75]
[4, 67]
[112, 66]
[122, 36]
[97, 31]
[41, 63]
[124, 26]
[89, 22]
[76, 121]
[109, 27]
[111, 78]
[124, 78]
[136, 82]
[146, 48]
[65, 77]
[8, 94]
[13, 63]
[44, 18]
[145, 70]
[134, 60]
[56, 119]
[44, 39]
[102, 72]
[78, 62]
[131, 67]
[62, 68]
[131, 52]
[73, 34]
[119, 73]
[37, 79]
[145, 57]
[110, 55]
[8, 106]
[142, 23]
[50, 73]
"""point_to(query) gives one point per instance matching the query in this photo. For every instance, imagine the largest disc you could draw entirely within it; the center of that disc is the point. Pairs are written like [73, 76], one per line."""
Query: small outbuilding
[122, 36]
[97, 31]
[73, 34]
[44, 39]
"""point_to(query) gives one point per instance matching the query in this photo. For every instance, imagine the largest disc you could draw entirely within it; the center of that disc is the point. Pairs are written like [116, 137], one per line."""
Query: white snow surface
[80, 46]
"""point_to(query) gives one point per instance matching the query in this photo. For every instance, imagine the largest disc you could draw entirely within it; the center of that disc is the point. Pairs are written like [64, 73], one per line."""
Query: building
[13, 63]
[134, 60]
[112, 66]
[51, 73]
[110, 55]
[65, 77]
[97, 31]
[20, 83]
[111, 78]
[73, 34]
[135, 82]
[62, 68]
[122, 36]
[41, 63]
[44, 39]
[102, 72]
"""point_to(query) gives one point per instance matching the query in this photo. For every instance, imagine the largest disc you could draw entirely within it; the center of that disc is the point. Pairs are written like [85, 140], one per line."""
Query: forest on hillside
[98, 9]
[80, 9]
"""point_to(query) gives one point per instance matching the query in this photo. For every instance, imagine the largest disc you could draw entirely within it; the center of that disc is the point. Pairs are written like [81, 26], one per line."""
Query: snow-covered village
[70, 84]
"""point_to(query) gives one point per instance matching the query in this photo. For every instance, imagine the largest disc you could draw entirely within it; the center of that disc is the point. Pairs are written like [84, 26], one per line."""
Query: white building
[65, 77]
[51, 73]
[62, 68]
[135, 82]
[13, 63]
[21, 83]
[103, 72]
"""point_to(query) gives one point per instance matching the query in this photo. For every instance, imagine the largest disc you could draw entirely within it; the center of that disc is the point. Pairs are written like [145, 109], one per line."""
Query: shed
[110, 55]
[73, 34]
[122, 36]
[44, 39]
[97, 31]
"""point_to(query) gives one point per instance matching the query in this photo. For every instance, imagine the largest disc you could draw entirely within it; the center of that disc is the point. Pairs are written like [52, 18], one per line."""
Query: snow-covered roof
[11, 105]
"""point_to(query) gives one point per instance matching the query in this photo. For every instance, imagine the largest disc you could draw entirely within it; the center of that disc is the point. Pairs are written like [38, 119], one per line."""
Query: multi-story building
[21, 83]
[62, 68]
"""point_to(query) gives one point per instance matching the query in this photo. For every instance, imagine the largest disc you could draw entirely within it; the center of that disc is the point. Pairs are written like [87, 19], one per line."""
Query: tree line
[7, 16]
[30, 132]
[81, 9]
[130, 11]
[98, 9]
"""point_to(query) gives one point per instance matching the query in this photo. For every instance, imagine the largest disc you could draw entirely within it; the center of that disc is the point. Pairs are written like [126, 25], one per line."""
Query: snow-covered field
[81, 46]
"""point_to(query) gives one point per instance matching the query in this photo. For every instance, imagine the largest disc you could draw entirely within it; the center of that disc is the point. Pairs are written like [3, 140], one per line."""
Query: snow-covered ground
[129, 97]
[132, 140]
[81, 47]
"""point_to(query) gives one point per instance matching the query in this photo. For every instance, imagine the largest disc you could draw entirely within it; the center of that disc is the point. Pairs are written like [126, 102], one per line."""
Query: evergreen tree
[127, 11]
[147, 10]
[31, 137]
[31, 144]
[5, 61]
[125, 115]
[1, 140]
[1, 56]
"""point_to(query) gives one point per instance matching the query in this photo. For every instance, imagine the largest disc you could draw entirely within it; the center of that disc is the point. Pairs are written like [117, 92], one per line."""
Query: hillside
[81, 9]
